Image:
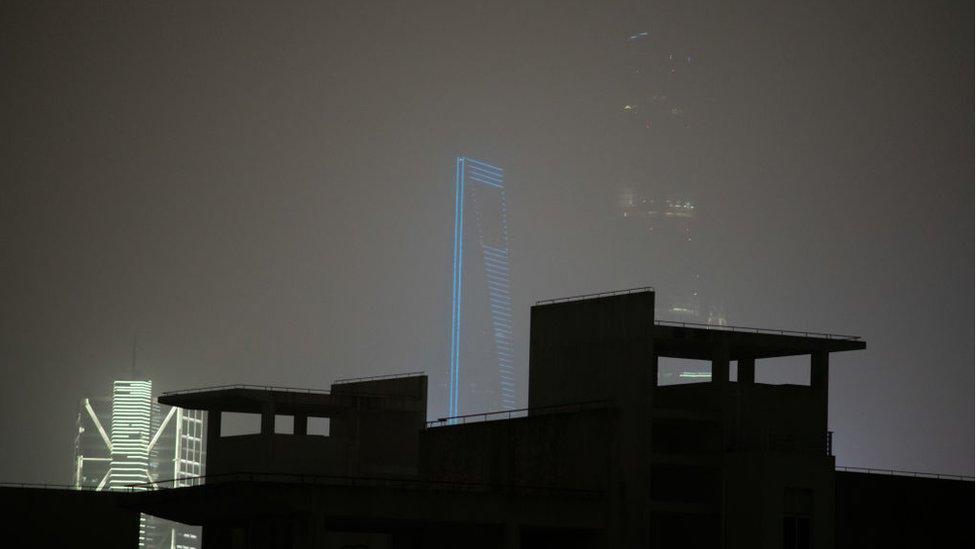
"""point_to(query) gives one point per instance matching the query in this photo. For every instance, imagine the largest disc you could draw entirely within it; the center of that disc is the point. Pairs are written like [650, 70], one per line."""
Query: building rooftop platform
[698, 341]
[402, 392]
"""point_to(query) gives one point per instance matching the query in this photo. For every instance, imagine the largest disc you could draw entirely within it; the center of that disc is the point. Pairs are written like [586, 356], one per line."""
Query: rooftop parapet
[698, 341]
[406, 392]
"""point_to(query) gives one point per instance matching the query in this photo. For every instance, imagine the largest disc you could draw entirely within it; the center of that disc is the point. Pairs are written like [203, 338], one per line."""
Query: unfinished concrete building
[602, 457]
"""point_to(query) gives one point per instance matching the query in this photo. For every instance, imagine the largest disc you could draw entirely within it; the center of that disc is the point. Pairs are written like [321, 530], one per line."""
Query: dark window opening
[797, 513]
[237, 423]
[284, 425]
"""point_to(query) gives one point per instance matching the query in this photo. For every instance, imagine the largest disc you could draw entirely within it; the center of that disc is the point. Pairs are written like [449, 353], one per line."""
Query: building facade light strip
[456, 286]
[98, 425]
[484, 181]
[473, 168]
[498, 252]
[485, 165]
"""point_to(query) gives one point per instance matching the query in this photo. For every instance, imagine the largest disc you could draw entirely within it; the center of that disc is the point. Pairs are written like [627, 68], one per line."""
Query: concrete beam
[267, 420]
[820, 371]
[720, 365]
[213, 432]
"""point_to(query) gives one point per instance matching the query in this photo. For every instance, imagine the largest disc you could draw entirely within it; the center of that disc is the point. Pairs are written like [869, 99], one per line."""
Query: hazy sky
[263, 193]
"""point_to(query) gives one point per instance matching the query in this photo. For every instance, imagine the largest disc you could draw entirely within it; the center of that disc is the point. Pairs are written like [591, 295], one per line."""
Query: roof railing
[376, 378]
[752, 330]
[245, 386]
[598, 294]
[47, 486]
[517, 413]
[338, 480]
[900, 473]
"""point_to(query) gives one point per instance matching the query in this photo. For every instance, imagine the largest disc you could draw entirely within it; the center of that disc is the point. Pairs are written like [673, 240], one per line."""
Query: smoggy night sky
[263, 193]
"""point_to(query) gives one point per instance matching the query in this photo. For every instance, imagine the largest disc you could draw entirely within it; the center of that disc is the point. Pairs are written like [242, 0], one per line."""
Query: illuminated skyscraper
[129, 440]
[482, 352]
[93, 446]
[131, 423]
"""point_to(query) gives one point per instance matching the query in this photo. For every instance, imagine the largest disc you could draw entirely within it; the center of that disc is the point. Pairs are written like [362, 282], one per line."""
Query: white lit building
[128, 442]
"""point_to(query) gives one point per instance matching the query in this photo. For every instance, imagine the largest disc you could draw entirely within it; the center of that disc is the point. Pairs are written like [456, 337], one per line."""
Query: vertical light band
[454, 400]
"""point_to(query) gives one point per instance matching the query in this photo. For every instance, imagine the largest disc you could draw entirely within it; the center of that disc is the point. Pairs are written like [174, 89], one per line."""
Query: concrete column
[720, 365]
[301, 424]
[267, 420]
[652, 375]
[213, 434]
[511, 536]
[819, 371]
[747, 371]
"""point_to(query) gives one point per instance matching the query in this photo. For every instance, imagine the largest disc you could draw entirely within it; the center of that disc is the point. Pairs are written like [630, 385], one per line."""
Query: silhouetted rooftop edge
[595, 295]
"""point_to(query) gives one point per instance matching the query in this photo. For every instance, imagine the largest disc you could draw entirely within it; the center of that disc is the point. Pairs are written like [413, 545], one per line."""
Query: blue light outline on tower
[497, 275]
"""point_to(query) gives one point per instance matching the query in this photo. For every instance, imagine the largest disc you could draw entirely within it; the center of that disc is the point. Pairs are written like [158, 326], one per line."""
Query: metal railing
[245, 386]
[752, 330]
[47, 486]
[517, 413]
[789, 443]
[406, 483]
[900, 473]
[598, 294]
[376, 378]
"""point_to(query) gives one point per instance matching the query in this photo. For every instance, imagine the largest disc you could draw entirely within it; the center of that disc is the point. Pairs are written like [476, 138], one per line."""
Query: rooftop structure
[372, 427]
[603, 456]
[606, 455]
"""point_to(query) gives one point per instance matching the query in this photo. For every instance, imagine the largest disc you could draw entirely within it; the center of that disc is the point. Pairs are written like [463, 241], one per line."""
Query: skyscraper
[93, 446]
[127, 440]
[131, 424]
[663, 214]
[482, 352]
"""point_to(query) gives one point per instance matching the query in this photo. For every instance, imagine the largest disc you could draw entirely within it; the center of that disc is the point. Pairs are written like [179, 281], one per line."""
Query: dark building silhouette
[604, 456]
[66, 517]
[903, 510]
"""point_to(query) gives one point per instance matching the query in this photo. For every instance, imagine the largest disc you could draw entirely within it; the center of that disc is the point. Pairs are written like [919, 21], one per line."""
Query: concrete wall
[755, 489]
[603, 349]
[38, 517]
[375, 433]
[784, 417]
[578, 349]
[761, 441]
[568, 450]
[384, 442]
[884, 511]
[281, 453]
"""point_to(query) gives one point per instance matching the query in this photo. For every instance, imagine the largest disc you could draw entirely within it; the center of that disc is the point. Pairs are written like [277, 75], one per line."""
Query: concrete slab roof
[255, 399]
[700, 342]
